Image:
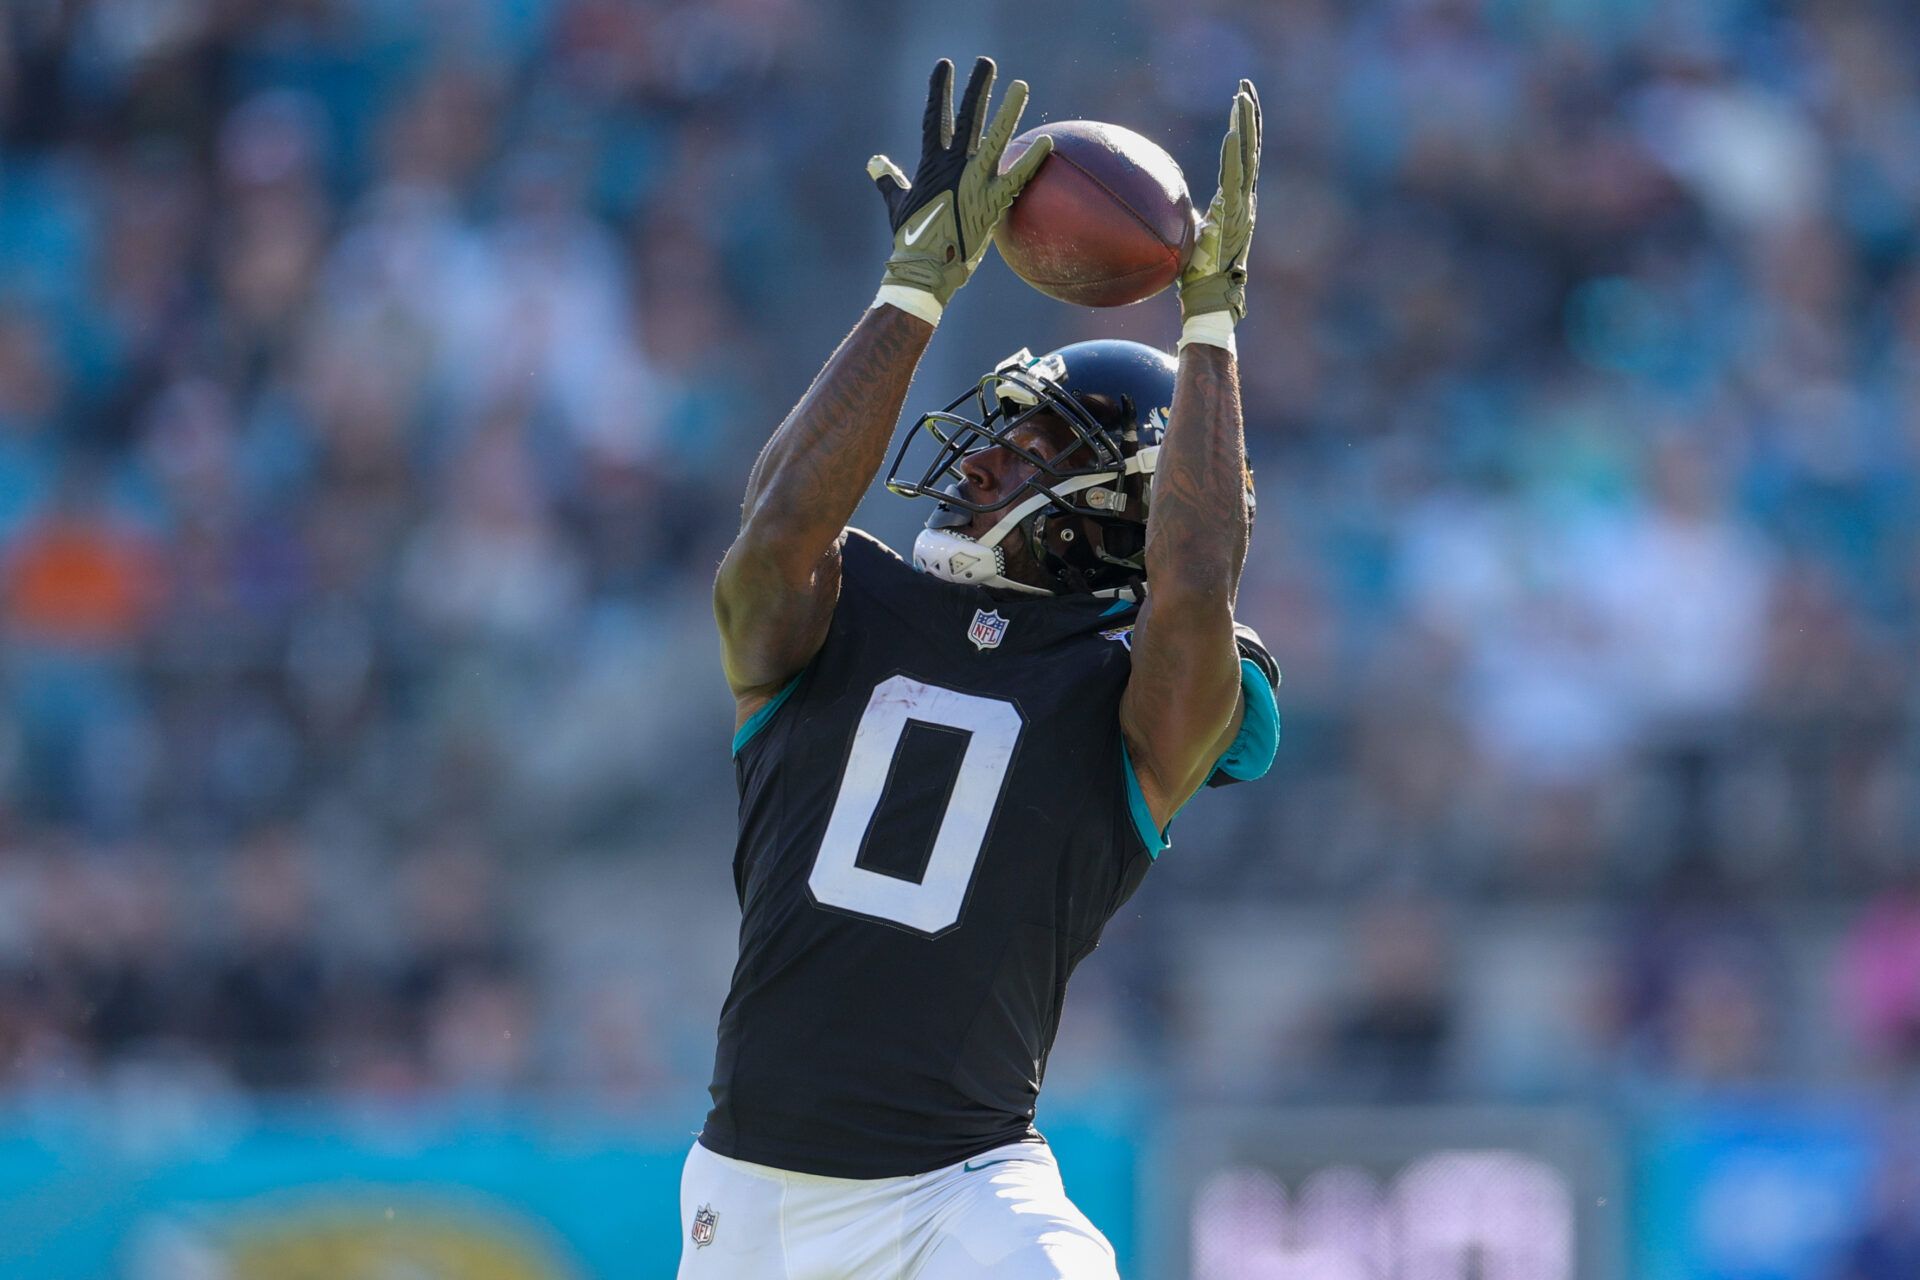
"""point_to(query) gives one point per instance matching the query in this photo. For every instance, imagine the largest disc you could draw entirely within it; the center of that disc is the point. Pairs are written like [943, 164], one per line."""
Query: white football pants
[1002, 1214]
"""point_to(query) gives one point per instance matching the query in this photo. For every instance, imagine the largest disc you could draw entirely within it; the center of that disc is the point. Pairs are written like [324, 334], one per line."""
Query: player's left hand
[1215, 281]
[944, 218]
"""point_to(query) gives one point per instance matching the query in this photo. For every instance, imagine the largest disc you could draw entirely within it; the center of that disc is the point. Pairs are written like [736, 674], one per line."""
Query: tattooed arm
[781, 577]
[1182, 706]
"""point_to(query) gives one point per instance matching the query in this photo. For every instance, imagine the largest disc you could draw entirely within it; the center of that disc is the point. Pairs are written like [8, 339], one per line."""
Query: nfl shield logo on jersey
[988, 629]
[704, 1221]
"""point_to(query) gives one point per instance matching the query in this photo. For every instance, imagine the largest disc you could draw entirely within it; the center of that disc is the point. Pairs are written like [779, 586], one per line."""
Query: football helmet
[1084, 509]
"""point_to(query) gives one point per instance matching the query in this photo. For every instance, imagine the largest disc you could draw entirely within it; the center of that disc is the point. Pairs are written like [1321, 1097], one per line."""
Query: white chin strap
[982, 562]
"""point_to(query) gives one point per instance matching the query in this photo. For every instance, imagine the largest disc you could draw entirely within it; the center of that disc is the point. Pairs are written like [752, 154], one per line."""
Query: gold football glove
[943, 220]
[1213, 288]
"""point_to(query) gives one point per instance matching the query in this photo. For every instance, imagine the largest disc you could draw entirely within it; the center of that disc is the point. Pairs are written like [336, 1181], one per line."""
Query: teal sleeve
[1249, 757]
[1253, 748]
[758, 720]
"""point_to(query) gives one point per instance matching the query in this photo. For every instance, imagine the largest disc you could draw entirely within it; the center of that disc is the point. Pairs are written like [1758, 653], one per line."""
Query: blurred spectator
[1701, 993]
[1390, 1038]
[32, 394]
[1879, 980]
[457, 983]
[269, 987]
[80, 586]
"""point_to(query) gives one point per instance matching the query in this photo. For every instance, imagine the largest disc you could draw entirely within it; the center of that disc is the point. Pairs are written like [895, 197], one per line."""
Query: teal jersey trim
[1258, 741]
[1118, 606]
[1150, 835]
[758, 720]
[1250, 756]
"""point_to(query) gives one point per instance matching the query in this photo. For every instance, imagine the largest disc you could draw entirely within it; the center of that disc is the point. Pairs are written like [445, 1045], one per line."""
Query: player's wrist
[1209, 328]
[911, 299]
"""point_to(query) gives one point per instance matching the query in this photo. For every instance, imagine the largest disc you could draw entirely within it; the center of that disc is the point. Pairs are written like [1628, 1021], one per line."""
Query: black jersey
[936, 822]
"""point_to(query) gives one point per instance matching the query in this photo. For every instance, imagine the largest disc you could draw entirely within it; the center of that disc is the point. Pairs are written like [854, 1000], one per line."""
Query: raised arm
[778, 583]
[780, 579]
[1182, 705]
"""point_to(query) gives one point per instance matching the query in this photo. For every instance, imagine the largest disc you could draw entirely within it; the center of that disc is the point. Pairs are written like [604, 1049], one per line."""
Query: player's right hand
[944, 218]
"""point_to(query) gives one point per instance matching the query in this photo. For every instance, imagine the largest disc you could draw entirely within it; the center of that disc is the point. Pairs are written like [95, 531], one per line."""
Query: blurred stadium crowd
[377, 383]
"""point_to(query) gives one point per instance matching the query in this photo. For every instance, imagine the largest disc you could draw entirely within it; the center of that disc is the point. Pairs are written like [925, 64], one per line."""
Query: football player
[952, 773]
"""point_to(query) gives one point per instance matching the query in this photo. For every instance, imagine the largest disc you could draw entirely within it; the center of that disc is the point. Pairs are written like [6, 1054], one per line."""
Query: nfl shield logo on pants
[704, 1221]
[988, 629]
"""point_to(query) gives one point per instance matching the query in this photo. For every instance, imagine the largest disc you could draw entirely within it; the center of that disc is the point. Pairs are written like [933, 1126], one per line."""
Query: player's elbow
[765, 581]
[727, 594]
[768, 554]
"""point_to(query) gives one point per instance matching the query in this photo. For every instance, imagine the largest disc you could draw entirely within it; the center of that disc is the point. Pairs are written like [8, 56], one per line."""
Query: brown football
[1106, 221]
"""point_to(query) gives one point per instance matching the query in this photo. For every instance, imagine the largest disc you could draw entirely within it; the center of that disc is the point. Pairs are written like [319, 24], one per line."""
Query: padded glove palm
[1216, 276]
[944, 218]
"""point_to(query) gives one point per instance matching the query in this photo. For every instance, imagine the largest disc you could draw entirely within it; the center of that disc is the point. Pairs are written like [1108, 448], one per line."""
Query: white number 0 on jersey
[934, 903]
